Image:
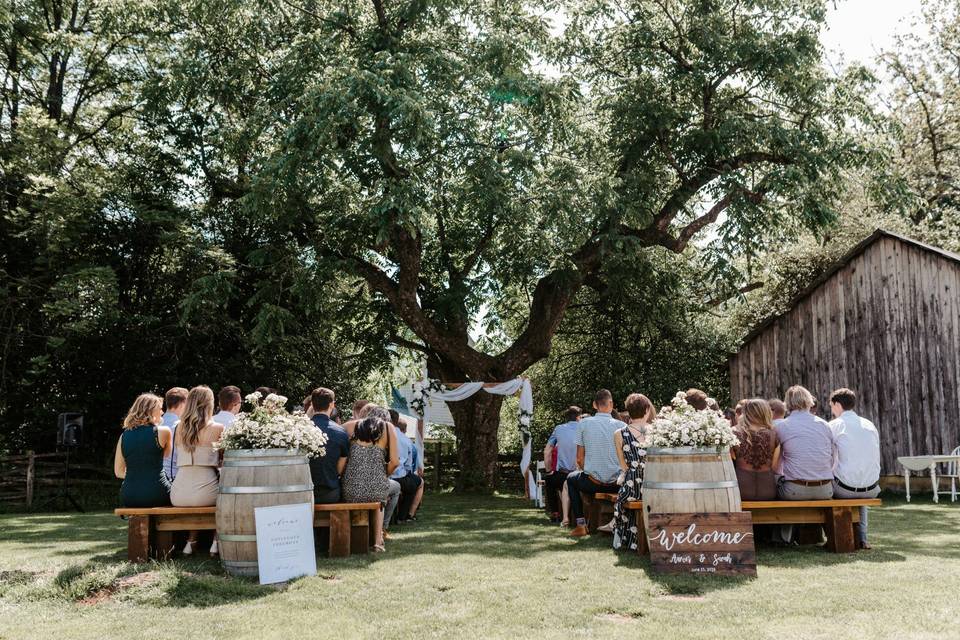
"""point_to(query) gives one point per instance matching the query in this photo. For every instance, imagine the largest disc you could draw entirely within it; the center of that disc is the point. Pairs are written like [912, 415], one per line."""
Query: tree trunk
[477, 421]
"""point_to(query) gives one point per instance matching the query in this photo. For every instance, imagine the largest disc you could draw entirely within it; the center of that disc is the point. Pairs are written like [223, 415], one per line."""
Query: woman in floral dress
[630, 442]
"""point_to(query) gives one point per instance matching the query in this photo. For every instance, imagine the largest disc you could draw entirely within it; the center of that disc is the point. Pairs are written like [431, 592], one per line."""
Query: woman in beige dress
[198, 481]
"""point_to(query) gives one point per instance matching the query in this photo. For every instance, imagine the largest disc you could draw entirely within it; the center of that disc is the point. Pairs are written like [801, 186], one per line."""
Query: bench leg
[591, 509]
[839, 527]
[162, 545]
[339, 534]
[138, 538]
[360, 532]
[372, 519]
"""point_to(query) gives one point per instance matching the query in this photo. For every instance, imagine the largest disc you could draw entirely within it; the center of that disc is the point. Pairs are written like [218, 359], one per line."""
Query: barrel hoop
[237, 537]
[278, 488]
[240, 563]
[264, 463]
[722, 484]
[261, 453]
[684, 451]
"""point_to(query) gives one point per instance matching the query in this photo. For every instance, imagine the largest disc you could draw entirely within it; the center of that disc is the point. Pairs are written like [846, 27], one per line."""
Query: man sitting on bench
[596, 457]
[856, 473]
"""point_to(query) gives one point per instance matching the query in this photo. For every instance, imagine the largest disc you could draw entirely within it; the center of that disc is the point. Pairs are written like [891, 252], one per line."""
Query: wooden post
[138, 538]
[31, 471]
[339, 534]
[438, 456]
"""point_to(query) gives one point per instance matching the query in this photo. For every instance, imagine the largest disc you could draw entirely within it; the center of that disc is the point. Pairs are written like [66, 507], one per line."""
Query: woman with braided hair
[758, 453]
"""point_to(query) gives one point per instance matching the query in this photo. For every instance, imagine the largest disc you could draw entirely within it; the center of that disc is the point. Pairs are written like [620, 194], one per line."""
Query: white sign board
[285, 542]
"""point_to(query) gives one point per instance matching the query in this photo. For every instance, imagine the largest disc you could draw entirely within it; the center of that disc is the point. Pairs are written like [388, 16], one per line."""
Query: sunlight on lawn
[481, 566]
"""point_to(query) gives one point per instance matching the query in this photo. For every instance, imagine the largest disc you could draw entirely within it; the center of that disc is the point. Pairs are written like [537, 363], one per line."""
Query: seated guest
[265, 391]
[230, 402]
[174, 400]
[631, 441]
[391, 448]
[365, 478]
[806, 454]
[758, 452]
[777, 409]
[856, 473]
[357, 413]
[307, 406]
[197, 483]
[730, 416]
[596, 457]
[140, 452]
[403, 475]
[697, 399]
[414, 467]
[562, 444]
[326, 470]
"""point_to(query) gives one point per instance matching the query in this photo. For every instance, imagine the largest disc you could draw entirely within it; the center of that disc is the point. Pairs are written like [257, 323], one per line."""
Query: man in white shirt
[175, 399]
[856, 443]
[230, 402]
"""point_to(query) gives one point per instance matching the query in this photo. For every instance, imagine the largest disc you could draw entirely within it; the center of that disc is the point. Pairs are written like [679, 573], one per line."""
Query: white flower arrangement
[680, 425]
[270, 426]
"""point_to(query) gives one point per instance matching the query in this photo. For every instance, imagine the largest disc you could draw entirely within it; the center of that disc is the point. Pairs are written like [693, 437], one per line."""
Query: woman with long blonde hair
[757, 454]
[140, 452]
[198, 482]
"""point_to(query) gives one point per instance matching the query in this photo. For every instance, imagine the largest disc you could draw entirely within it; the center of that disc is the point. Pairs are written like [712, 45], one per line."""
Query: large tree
[459, 157]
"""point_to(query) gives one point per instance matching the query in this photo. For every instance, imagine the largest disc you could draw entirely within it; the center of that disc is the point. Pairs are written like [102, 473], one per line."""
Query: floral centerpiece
[270, 426]
[681, 425]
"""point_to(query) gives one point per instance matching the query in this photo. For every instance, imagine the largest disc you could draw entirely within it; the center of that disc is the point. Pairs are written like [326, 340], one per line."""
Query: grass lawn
[487, 567]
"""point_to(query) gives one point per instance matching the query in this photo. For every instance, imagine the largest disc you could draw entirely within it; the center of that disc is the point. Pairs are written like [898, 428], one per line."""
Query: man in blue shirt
[175, 400]
[406, 474]
[560, 459]
[326, 470]
[596, 456]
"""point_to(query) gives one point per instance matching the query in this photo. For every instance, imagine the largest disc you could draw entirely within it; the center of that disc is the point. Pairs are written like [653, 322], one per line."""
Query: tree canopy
[229, 191]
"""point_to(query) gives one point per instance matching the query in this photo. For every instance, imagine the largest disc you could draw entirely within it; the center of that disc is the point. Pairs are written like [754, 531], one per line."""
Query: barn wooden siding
[886, 323]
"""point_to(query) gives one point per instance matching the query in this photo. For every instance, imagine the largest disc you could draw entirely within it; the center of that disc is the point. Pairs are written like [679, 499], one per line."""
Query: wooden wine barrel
[689, 480]
[252, 478]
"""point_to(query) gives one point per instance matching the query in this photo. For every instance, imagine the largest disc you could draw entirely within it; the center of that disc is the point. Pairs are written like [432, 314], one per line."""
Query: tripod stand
[63, 494]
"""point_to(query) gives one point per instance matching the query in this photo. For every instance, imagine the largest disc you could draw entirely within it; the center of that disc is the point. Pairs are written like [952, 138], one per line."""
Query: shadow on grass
[203, 591]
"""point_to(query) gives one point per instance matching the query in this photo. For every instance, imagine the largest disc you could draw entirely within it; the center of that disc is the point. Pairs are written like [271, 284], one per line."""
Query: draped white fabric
[507, 388]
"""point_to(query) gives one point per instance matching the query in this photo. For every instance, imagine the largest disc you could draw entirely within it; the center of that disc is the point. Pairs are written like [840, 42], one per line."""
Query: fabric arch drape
[435, 391]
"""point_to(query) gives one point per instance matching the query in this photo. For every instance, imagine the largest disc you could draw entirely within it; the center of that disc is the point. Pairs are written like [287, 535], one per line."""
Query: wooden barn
[884, 321]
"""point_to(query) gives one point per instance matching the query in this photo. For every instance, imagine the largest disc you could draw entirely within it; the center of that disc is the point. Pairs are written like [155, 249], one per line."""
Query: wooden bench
[150, 531]
[836, 516]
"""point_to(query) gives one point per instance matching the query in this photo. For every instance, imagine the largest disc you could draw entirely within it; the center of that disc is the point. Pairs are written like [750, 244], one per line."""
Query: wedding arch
[436, 390]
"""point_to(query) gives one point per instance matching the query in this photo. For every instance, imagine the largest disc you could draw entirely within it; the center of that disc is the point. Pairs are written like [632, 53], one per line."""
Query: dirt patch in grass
[619, 617]
[107, 593]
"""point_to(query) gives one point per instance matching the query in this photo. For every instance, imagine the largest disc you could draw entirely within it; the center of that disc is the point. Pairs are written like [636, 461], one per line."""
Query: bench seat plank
[150, 530]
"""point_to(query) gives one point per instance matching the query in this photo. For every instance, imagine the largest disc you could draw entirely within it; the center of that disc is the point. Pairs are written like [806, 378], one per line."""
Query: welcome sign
[712, 543]
[285, 542]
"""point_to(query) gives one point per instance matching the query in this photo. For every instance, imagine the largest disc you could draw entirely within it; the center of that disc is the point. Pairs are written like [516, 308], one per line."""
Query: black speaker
[70, 430]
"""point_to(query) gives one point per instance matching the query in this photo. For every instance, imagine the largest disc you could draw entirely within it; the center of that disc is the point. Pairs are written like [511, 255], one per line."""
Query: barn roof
[857, 249]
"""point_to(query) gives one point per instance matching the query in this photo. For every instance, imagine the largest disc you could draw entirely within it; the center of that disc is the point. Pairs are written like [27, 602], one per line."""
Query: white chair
[952, 473]
[539, 477]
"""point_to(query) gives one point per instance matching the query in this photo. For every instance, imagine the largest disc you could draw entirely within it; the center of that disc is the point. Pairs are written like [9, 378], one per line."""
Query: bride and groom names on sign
[719, 543]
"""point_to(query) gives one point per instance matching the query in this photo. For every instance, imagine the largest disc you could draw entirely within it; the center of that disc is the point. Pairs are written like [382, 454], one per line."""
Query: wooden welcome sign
[713, 543]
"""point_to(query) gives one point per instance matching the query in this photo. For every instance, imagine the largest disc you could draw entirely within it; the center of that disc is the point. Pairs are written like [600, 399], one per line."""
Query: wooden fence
[28, 478]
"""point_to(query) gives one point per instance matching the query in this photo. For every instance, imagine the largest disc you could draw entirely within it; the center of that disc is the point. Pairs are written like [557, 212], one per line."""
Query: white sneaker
[608, 528]
[188, 550]
[214, 548]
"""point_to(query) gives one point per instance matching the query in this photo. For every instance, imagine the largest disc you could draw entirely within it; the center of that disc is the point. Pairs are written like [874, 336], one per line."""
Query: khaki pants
[791, 491]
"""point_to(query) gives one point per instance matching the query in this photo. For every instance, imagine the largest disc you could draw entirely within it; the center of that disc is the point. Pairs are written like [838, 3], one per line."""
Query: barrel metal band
[240, 563]
[279, 488]
[263, 463]
[261, 453]
[237, 537]
[721, 484]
